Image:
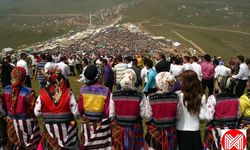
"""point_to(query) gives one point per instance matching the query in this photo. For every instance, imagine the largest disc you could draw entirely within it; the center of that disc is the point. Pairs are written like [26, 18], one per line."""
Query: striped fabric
[39, 67]
[24, 132]
[127, 137]
[161, 138]
[96, 135]
[65, 134]
[213, 135]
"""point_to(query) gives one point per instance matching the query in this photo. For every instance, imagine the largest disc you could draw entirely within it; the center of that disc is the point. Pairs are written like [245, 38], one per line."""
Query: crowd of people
[126, 102]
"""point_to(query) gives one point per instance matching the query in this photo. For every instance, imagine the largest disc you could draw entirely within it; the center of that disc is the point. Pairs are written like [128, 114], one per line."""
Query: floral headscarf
[128, 79]
[164, 81]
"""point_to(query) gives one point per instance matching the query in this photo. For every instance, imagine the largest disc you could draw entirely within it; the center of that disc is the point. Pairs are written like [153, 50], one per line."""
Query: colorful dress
[22, 126]
[244, 122]
[127, 130]
[161, 115]
[93, 105]
[60, 126]
[220, 117]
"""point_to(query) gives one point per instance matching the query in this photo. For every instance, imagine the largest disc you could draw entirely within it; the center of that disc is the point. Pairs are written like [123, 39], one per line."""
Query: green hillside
[219, 27]
[24, 22]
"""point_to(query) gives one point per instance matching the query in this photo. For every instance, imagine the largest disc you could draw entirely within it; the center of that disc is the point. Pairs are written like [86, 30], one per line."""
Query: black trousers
[28, 81]
[208, 83]
[240, 87]
[189, 140]
[72, 70]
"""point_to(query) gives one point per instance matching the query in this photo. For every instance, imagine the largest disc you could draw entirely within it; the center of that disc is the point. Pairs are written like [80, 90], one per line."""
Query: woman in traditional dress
[190, 106]
[244, 122]
[93, 106]
[57, 106]
[19, 101]
[126, 111]
[218, 113]
[161, 109]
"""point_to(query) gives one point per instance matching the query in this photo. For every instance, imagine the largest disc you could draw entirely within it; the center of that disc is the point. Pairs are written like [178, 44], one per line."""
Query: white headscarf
[128, 79]
[164, 81]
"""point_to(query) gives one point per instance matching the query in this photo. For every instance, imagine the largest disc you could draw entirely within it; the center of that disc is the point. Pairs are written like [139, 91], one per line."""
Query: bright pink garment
[207, 69]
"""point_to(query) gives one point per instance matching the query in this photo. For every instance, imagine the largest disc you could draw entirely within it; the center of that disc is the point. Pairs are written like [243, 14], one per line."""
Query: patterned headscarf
[164, 81]
[18, 75]
[128, 79]
[57, 84]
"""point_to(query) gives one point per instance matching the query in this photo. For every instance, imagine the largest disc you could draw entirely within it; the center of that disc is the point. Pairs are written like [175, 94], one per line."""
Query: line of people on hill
[172, 102]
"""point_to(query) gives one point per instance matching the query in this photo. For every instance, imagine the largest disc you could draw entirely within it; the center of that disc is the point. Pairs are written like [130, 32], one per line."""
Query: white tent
[7, 50]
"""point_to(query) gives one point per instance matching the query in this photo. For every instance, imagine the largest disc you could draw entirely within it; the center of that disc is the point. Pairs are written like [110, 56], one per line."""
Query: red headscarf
[18, 75]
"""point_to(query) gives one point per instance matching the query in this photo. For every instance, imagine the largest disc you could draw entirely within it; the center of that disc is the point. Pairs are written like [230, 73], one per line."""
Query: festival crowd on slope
[125, 103]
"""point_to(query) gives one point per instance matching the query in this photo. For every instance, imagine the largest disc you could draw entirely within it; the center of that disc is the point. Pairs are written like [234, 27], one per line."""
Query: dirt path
[207, 28]
[189, 41]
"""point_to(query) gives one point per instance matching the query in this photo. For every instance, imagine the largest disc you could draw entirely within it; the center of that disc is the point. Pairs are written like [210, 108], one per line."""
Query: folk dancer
[19, 101]
[126, 111]
[93, 106]
[57, 106]
[218, 114]
[161, 109]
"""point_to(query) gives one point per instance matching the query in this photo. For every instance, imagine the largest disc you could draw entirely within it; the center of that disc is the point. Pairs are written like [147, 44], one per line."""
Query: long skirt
[213, 135]
[96, 135]
[127, 137]
[60, 136]
[23, 134]
[161, 138]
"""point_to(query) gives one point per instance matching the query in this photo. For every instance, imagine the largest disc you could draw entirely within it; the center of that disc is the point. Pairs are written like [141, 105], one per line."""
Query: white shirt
[243, 72]
[82, 75]
[64, 68]
[49, 65]
[187, 66]
[197, 68]
[186, 121]
[175, 70]
[71, 62]
[23, 63]
[222, 70]
[144, 72]
[56, 59]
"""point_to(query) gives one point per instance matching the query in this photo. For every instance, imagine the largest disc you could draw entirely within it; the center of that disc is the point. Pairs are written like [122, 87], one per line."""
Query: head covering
[226, 83]
[57, 84]
[128, 79]
[92, 73]
[55, 76]
[18, 75]
[164, 81]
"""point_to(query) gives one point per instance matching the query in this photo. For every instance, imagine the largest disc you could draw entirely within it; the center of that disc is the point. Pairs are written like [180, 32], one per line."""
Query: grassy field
[219, 27]
[24, 22]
